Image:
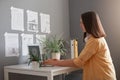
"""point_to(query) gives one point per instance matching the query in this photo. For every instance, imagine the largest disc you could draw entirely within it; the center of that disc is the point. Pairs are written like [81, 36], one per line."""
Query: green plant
[34, 58]
[54, 45]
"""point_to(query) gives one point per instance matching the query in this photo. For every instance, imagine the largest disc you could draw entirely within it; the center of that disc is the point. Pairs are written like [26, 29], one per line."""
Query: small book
[74, 48]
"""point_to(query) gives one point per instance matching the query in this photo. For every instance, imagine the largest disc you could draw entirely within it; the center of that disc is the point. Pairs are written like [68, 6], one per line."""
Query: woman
[95, 58]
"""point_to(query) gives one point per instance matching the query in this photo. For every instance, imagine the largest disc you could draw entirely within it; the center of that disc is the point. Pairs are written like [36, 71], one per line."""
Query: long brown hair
[93, 24]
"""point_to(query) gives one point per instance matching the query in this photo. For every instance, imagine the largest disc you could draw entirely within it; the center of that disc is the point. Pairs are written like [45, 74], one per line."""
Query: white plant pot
[56, 55]
[34, 64]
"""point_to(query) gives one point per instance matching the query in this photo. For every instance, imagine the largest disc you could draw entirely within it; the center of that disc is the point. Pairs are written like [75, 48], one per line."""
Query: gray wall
[59, 13]
[109, 13]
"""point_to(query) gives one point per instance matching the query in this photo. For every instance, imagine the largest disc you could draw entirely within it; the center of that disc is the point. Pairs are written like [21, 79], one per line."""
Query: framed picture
[35, 50]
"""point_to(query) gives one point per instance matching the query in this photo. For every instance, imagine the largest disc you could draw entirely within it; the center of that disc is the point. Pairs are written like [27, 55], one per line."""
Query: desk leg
[50, 77]
[6, 75]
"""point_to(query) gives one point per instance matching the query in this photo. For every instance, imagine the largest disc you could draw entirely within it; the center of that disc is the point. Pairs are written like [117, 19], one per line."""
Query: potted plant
[34, 60]
[55, 46]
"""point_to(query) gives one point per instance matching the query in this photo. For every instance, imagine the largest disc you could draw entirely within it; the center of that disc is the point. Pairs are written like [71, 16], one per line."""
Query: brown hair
[93, 24]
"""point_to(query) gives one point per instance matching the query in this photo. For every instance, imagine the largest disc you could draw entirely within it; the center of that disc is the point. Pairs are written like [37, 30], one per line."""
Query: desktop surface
[49, 71]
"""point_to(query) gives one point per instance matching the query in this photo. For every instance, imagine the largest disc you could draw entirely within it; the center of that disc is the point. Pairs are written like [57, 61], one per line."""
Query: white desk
[48, 72]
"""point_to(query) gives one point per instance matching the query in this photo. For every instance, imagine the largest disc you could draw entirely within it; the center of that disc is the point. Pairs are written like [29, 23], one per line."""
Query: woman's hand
[50, 62]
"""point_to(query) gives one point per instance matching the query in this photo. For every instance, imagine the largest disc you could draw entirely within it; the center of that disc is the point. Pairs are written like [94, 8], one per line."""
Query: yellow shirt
[95, 59]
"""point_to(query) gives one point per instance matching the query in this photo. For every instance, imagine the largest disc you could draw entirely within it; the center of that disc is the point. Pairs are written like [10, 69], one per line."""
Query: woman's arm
[55, 62]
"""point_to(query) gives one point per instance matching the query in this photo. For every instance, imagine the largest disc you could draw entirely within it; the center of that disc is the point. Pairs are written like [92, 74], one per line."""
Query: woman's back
[99, 66]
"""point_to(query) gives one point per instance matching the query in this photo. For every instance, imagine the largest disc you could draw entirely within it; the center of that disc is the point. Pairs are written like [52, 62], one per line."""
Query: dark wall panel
[109, 13]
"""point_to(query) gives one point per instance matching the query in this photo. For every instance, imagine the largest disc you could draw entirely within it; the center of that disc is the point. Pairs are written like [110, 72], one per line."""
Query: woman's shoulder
[95, 40]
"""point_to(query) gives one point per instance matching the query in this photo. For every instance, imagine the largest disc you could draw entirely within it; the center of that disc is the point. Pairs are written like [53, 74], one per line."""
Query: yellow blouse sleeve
[89, 50]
